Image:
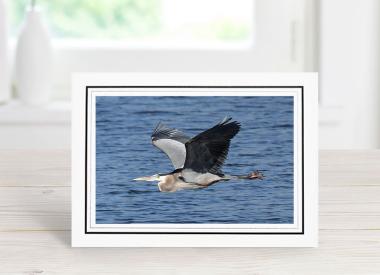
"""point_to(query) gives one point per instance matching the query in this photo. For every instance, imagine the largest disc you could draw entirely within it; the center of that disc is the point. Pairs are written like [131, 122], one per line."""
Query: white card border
[309, 83]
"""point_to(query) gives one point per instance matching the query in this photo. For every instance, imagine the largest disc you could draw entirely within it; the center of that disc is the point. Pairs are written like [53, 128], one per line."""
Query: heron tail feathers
[256, 175]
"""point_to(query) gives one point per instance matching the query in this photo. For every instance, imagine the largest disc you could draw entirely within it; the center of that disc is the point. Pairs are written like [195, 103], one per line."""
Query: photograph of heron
[194, 159]
[197, 161]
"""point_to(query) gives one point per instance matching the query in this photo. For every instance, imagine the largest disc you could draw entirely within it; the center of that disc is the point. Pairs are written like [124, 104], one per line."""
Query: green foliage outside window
[94, 18]
[126, 19]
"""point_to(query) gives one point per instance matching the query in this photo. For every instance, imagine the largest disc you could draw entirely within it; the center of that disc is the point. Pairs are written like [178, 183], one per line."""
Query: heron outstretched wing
[172, 142]
[207, 151]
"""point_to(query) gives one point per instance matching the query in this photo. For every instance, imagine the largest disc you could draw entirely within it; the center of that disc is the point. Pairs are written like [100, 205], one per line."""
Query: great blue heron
[198, 160]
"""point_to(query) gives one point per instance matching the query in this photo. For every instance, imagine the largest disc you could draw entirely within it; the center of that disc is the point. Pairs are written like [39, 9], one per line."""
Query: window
[161, 23]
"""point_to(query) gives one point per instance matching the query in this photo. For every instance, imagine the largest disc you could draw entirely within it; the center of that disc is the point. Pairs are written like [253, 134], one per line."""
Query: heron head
[155, 177]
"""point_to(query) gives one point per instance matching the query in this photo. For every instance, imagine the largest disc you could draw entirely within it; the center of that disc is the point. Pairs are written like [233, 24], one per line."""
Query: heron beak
[147, 178]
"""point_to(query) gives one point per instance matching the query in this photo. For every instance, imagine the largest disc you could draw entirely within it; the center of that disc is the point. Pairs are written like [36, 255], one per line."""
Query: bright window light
[167, 23]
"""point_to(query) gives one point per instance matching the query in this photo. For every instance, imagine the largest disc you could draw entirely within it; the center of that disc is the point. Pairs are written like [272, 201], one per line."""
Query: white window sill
[16, 112]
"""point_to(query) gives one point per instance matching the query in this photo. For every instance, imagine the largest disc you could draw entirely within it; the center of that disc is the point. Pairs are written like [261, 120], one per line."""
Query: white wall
[350, 73]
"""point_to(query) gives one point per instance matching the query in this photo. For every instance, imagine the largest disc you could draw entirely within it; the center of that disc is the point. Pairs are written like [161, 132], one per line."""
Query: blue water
[124, 152]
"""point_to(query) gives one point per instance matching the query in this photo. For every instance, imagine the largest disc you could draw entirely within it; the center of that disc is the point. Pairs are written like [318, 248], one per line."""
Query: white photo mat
[301, 86]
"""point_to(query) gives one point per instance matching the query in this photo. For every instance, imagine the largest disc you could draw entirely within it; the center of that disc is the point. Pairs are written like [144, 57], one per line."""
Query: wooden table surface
[35, 226]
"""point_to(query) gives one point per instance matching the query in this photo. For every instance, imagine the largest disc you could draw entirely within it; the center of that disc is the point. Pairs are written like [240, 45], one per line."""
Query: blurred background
[43, 42]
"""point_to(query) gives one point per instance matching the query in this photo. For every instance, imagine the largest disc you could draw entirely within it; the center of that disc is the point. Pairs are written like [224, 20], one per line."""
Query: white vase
[33, 64]
[5, 92]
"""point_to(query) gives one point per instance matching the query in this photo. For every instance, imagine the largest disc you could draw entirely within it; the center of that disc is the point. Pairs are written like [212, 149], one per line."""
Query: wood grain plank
[343, 168]
[347, 252]
[35, 168]
[35, 208]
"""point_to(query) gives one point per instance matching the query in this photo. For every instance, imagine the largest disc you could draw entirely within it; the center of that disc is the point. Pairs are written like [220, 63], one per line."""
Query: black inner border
[205, 233]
